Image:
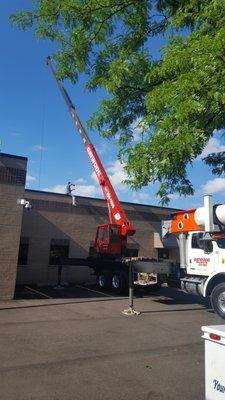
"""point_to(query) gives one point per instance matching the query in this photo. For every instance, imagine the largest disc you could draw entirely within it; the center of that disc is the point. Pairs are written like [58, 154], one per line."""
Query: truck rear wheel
[218, 299]
[119, 282]
[104, 280]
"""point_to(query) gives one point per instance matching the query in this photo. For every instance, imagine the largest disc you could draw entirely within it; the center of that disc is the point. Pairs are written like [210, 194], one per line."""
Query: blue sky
[35, 123]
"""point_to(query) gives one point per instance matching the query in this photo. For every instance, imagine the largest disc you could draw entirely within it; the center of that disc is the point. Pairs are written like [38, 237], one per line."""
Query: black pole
[131, 285]
[59, 272]
[130, 310]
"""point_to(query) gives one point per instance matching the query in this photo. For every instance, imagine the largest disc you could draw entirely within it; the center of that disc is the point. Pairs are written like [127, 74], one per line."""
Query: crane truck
[201, 238]
[200, 233]
[110, 253]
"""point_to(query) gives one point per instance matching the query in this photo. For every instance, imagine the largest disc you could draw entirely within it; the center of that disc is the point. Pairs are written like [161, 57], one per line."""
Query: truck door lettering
[202, 261]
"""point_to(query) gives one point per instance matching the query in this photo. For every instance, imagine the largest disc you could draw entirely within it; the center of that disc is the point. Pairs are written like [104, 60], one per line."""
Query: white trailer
[214, 338]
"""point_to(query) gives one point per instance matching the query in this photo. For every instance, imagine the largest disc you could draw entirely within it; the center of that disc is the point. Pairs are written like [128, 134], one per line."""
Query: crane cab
[109, 241]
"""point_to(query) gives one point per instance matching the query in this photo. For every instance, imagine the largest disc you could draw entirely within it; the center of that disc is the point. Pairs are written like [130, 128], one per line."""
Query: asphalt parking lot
[75, 344]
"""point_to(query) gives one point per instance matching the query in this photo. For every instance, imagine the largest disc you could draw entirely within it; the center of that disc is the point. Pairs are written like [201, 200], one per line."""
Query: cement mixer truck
[201, 238]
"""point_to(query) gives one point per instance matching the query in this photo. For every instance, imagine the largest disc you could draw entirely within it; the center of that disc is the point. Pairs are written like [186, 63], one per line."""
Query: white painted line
[95, 291]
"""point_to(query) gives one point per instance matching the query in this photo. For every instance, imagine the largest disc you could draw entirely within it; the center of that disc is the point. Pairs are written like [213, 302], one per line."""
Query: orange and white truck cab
[201, 237]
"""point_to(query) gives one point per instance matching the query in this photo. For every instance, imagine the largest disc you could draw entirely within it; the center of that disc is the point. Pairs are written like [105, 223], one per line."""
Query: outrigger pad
[130, 311]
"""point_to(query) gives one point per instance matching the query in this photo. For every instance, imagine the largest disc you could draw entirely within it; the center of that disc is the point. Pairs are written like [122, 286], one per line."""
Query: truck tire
[218, 299]
[119, 282]
[104, 280]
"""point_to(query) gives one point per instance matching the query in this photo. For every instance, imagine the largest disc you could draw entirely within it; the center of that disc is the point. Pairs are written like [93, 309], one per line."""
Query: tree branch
[109, 17]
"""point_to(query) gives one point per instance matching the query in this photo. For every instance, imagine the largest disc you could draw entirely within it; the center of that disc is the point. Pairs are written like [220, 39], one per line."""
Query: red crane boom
[117, 215]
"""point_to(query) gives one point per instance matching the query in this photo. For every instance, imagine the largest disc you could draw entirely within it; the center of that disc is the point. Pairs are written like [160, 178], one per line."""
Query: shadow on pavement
[173, 297]
[72, 291]
[87, 293]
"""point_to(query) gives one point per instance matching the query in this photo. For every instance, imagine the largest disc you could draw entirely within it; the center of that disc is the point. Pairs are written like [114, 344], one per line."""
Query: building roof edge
[98, 199]
[13, 156]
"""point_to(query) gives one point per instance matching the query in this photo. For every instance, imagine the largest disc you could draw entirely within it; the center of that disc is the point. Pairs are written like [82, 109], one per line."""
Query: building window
[23, 251]
[59, 249]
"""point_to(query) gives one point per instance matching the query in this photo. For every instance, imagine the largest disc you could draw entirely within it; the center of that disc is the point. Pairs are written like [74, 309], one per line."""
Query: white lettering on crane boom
[94, 162]
[108, 195]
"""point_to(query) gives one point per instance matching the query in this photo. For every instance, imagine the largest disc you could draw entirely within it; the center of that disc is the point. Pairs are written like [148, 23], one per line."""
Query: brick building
[12, 182]
[28, 238]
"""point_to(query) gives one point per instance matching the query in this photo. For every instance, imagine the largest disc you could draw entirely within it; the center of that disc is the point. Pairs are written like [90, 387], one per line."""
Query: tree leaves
[179, 95]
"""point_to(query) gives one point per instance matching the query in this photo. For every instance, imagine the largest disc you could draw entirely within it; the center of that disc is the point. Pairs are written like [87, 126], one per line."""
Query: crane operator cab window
[114, 234]
[108, 233]
[102, 234]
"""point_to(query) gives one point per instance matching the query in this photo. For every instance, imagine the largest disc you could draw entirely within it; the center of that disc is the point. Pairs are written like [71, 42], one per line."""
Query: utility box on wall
[214, 362]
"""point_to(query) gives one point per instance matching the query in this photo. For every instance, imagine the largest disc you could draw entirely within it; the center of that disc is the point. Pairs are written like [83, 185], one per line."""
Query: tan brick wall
[11, 189]
[53, 217]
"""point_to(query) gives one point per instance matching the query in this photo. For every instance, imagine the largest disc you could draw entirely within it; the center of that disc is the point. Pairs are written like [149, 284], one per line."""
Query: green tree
[176, 99]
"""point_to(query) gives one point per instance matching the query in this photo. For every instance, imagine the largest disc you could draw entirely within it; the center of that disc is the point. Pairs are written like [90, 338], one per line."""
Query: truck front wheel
[119, 282]
[218, 299]
[104, 280]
